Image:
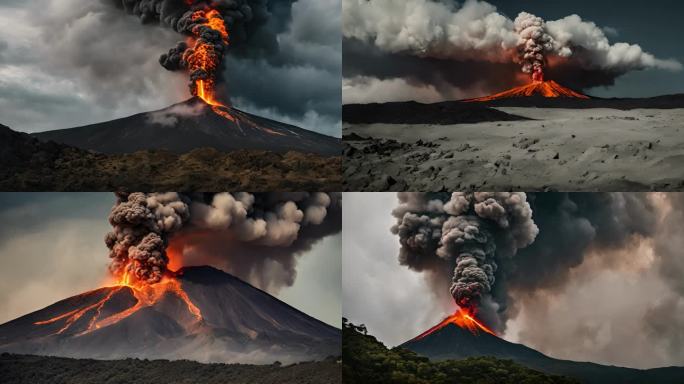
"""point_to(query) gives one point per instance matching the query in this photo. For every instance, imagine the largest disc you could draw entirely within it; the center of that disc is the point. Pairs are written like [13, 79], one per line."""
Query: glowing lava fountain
[461, 319]
[205, 58]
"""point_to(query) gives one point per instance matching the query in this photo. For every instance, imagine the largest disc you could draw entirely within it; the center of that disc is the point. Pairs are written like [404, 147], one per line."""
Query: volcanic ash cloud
[470, 232]
[476, 31]
[258, 226]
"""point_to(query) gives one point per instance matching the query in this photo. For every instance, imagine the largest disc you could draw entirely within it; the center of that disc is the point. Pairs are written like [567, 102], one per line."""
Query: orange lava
[205, 58]
[146, 296]
[462, 319]
[547, 88]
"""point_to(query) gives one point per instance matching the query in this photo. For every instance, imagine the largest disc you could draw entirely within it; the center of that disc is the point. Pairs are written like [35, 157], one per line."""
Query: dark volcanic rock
[658, 102]
[191, 125]
[238, 323]
[411, 112]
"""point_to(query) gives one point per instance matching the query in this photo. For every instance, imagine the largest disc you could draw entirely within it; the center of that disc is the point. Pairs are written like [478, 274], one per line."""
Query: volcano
[449, 341]
[194, 124]
[201, 314]
[547, 88]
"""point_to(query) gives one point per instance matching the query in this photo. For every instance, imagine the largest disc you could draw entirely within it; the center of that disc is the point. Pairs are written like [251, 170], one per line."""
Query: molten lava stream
[206, 93]
[146, 296]
[462, 319]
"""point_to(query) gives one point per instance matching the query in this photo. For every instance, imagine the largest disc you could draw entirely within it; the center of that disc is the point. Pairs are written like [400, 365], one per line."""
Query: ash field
[582, 145]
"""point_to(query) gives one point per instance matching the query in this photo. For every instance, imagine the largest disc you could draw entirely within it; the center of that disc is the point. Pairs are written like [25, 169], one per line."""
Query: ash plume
[212, 26]
[576, 52]
[470, 233]
[257, 237]
[534, 42]
[548, 235]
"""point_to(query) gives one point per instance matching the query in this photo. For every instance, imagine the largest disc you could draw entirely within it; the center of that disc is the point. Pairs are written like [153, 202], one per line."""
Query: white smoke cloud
[475, 30]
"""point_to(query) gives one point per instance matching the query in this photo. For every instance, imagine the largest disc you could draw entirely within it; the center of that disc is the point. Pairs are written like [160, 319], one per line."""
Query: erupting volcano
[199, 314]
[538, 87]
[462, 319]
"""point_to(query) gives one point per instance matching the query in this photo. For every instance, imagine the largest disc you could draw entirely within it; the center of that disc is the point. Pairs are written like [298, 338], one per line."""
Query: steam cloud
[260, 227]
[204, 20]
[470, 232]
[474, 31]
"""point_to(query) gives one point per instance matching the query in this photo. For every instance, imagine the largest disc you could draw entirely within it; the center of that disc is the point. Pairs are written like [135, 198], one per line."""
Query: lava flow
[146, 295]
[205, 59]
[462, 319]
[538, 87]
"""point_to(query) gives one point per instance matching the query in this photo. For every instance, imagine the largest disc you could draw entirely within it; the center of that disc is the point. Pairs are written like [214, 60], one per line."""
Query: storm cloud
[64, 67]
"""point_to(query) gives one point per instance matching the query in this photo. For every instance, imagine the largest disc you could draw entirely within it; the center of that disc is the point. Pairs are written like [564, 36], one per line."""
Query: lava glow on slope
[462, 319]
[146, 295]
[545, 88]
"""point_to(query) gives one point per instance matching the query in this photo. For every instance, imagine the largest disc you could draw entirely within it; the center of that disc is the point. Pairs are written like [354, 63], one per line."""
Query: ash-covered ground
[559, 149]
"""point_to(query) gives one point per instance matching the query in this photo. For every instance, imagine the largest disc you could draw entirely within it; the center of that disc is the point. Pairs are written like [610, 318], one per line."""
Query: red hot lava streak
[462, 319]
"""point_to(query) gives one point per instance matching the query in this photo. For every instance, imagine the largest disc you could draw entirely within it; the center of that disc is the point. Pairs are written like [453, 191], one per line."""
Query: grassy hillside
[21, 369]
[366, 360]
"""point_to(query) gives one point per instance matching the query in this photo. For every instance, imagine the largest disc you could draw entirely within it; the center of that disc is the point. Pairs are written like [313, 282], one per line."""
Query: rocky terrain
[553, 149]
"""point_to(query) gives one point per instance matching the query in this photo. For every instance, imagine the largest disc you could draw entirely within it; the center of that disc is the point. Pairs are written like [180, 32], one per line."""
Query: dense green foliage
[19, 369]
[366, 360]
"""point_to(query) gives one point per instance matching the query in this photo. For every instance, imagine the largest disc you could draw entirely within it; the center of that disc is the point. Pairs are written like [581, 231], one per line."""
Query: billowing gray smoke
[474, 37]
[481, 230]
[471, 232]
[533, 43]
[142, 224]
[239, 232]
[203, 59]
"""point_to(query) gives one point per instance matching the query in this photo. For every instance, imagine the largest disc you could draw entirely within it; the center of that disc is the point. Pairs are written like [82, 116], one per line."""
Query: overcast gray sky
[67, 63]
[52, 247]
[620, 306]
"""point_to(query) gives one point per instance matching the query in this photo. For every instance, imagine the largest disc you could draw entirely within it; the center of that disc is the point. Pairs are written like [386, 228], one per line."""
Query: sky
[79, 62]
[52, 247]
[382, 67]
[618, 300]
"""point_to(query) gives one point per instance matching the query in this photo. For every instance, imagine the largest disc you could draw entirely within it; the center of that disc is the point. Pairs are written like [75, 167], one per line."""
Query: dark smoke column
[470, 232]
[209, 24]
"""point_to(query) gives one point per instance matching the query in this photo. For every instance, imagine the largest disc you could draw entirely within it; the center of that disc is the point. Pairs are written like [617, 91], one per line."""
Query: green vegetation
[21, 369]
[366, 360]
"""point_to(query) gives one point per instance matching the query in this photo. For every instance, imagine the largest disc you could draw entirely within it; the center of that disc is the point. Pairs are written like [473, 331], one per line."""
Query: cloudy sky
[78, 62]
[53, 247]
[445, 49]
[602, 282]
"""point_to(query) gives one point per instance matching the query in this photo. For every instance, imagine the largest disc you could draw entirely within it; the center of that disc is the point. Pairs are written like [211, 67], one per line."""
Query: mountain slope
[190, 125]
[453, 342]
[548, 88]
[28, 164]
[204, 315]
[366, 360]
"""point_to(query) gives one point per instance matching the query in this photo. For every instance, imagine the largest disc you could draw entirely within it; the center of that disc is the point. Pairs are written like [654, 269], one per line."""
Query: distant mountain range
[190, 125]
[453, 342]
[209, 316]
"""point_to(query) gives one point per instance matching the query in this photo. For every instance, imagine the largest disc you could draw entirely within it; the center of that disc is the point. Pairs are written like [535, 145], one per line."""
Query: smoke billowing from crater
[470, 233]
[577, 51]
[254, 236]
[211, 25]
